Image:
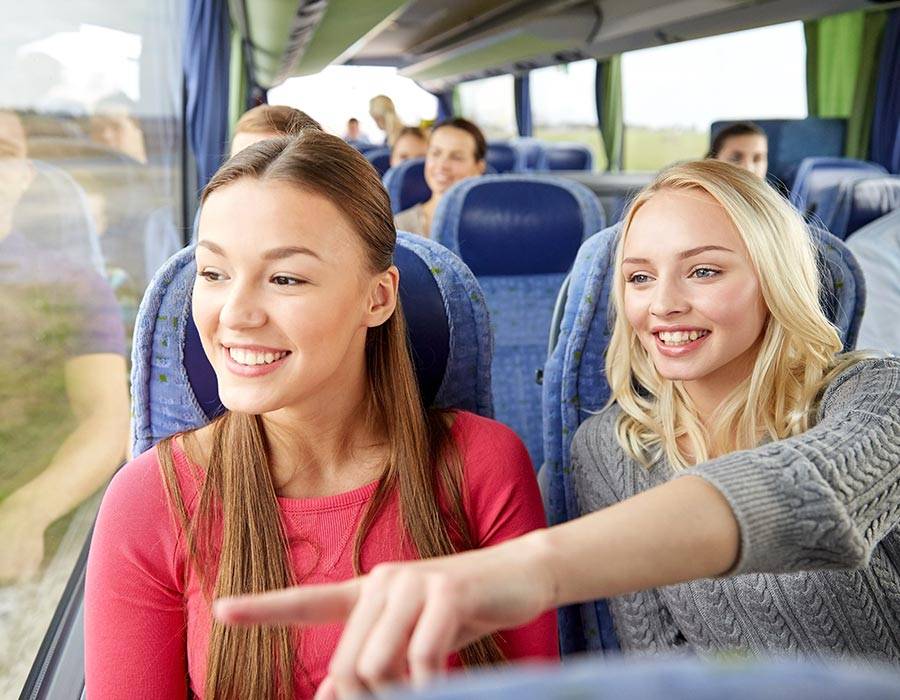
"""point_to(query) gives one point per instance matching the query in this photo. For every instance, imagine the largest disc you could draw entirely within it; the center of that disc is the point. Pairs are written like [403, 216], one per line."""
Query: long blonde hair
[237, 496]
[383, 106]
[798, 348]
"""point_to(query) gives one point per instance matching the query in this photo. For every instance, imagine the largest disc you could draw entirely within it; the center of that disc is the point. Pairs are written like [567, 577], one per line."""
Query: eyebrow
[273, 254]
[682, 255]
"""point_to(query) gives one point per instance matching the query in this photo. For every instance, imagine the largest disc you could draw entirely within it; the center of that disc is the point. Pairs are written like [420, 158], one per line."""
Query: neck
[710, 392]
[328, 444]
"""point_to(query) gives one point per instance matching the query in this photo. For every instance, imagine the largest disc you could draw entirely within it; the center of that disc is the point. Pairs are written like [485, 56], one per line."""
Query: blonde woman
[382, 111]
[743, 480]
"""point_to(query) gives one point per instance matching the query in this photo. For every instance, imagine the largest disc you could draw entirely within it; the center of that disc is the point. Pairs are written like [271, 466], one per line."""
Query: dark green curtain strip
[862, 114]
[811, 32]
[609, 109]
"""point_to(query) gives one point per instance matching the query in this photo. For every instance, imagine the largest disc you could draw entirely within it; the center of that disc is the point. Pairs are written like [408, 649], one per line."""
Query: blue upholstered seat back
[575, 384]
[531, 153]
[380, 158]
[519, 234]
[860, 201]
[817, 177]
[405, 184]
[566, 156]
[174, 387]
[502, 157]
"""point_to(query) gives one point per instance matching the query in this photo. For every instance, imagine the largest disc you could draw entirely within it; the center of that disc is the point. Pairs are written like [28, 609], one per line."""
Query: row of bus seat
[517, 156]
[480, 310]
[844, 194]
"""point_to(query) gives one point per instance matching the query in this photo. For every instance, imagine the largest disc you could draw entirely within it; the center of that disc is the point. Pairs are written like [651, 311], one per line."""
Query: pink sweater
[146, 636]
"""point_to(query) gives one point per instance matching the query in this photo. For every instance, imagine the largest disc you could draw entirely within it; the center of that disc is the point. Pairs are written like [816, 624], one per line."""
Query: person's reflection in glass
[63, 390]
[113, 124]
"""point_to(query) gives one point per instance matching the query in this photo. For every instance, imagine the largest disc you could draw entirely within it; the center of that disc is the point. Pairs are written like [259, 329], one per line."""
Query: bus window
[332, 106]
[490, 104]
[702, 81]
[563, 106]
[90, 206]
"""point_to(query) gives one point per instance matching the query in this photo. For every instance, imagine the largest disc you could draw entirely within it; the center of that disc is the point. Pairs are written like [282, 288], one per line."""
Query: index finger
[299, 605]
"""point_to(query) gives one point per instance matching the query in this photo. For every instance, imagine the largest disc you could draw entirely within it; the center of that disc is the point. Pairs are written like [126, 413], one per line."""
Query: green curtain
[238, 82]
[609, 109]
[841, 72]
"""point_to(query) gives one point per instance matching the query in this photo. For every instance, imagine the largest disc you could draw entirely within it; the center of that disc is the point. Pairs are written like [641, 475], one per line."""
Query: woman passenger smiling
[325, 463]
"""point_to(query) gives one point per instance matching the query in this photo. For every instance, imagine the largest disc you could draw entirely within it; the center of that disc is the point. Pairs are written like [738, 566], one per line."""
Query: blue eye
[704, 272]
[210, 275]
[639, 278]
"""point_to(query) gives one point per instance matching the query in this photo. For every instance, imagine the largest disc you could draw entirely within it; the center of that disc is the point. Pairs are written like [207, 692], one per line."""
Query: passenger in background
[325, 463]
[63, 390]
[268, 121]
[743, 144]
[381, 109]
[741, 484]
[877, 249]
[456, 150]
[114, 124]
[411, 143]
[354, 134]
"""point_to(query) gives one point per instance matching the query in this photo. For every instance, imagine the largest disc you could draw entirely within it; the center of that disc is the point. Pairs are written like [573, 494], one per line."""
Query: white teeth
[250, 358]
[680, 337]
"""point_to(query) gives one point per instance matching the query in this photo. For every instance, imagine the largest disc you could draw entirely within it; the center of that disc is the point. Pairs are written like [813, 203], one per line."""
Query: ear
[382, 299]
[481, 166]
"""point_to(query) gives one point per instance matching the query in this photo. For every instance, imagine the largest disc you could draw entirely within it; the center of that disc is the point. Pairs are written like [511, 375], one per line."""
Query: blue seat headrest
[567, 156]
[516, 224]
[174, 387]
[860, 201]
[405, 184]
[380, 158]
[502, 157]
[819, 174]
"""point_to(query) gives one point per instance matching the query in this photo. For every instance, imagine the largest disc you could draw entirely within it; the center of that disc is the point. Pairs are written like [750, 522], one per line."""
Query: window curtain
[238, 81]
[608, 98]
[522, 90]
[841, 72]
[207, 49]
[445, 105]
[885, 147]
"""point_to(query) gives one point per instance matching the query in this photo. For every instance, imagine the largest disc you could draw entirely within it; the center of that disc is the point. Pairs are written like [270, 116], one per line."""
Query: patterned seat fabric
[575, 385]
[519, 234]
[174, 387]
[405, 184]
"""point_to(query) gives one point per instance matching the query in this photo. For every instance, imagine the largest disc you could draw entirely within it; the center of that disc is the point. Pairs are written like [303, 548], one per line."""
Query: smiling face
[283, 297]
[450, 158]
[406, 147]
[747, 151]
[691, 294]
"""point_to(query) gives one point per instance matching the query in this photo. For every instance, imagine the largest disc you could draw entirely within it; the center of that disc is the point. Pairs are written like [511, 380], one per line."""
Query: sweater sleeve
[134, 620]
[826, 498]
[503, 502]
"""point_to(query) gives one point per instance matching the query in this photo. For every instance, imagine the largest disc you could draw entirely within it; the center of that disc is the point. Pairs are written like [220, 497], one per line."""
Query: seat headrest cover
[174, 387]
[502, 157]
[570, 156]
[516, 224]
[405, 184]
[820, 173]
[870, 199]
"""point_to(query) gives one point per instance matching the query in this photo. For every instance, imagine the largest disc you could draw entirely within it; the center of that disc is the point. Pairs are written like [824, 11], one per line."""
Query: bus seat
[503, 157]
[519, 234]
[816, 176]
[792, 140]
[858, 202]
[531, 152]
[575, 384]
[174, 387]
[380, 158]
[405, 184]
[363, 146]
[566, 156]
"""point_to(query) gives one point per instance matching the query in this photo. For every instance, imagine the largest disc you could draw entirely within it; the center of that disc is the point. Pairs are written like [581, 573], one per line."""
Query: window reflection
[89, 192]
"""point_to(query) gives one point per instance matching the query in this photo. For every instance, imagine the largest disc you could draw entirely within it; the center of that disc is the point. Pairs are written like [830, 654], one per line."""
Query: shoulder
[486, 444]
[596, 436]
[408, 219]
[870, 384]
[600, 466]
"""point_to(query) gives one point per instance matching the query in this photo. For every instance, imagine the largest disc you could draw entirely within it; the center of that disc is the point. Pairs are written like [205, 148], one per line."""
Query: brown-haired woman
[268, 121]
[456, 150]
[326, 462]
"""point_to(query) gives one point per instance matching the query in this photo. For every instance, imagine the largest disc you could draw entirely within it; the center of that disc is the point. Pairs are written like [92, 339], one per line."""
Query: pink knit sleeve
[134, 617]
[504, 502]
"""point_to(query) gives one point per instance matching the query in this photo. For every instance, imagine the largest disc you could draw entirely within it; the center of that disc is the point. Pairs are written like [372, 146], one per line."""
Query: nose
[242, 309]
[668, 299]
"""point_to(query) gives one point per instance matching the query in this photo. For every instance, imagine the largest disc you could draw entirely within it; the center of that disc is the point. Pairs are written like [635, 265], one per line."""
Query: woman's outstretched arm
[403, 620]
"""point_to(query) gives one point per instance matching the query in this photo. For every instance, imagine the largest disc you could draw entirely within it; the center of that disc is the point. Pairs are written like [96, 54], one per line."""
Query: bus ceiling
[439, 44]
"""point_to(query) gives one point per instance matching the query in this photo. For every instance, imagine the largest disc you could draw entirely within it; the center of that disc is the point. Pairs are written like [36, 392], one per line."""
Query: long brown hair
[423, 466]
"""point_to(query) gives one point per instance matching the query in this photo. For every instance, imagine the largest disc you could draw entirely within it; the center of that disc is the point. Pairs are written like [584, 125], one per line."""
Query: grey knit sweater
[819, 515]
